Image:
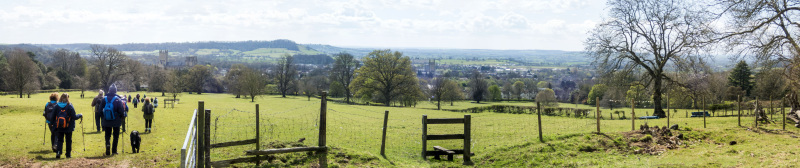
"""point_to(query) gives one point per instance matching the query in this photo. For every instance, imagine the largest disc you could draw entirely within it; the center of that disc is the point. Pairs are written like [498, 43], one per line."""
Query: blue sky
[466, 24]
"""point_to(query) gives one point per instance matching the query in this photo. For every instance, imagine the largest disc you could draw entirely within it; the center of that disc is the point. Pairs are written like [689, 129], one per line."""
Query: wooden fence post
[258, 137]
[383, 139]
[200, 152]
[207, 138]
[597, 114]
[667, 110]
[323, 126]
[771, 110]
[704, 112]
[783, 112]
[739, 103]
[424, 135]
[467, 139]
[755, 116]
[633, 115]
[539, 116]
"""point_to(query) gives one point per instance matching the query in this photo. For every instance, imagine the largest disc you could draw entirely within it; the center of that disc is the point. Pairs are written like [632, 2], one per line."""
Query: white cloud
[506, 24]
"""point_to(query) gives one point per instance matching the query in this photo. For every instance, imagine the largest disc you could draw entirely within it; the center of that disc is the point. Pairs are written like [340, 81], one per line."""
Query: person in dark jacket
[97, 109]
[139, 97]
[111, 127]
[136, 101]
[48, 115]
[148, 111]
[64, 124]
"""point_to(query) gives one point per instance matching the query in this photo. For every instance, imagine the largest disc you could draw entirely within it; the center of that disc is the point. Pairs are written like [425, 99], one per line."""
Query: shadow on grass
[45, 159]
[98, 132]
[100, 157]
[41, 152]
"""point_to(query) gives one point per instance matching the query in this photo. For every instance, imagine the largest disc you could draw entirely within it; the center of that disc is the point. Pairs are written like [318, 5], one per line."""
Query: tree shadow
[45, 159]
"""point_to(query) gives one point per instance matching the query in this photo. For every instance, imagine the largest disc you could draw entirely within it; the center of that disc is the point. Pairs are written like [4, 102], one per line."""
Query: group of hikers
[110, 111]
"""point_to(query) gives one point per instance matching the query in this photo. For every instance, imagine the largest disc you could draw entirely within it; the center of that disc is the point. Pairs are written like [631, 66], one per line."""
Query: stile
[467, 139]
[424, 135]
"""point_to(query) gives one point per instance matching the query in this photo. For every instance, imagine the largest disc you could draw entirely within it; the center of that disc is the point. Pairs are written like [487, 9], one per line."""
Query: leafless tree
[110, 64]
[344, 67]
[648, 34]
[285, 74]
[22, 73]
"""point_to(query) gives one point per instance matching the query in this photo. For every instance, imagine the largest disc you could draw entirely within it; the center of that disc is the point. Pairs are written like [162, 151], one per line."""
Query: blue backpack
[108, 110]
[62, 119]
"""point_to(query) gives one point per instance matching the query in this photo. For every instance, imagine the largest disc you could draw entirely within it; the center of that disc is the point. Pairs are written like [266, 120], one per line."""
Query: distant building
[165, 62]
[163, 58]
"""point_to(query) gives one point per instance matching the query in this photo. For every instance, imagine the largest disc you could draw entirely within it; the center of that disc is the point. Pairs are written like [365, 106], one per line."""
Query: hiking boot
[58, 156]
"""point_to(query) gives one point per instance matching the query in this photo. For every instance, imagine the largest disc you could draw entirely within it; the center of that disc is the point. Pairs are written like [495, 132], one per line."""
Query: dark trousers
[53, 139]
[135, 105]
[61, 138]
[97, 120]
[148, 123]
[109, 131]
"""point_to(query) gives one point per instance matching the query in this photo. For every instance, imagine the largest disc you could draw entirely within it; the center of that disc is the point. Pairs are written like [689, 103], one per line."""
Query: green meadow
[354, 134]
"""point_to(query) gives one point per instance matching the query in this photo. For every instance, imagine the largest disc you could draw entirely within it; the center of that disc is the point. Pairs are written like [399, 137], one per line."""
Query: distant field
[499, 140]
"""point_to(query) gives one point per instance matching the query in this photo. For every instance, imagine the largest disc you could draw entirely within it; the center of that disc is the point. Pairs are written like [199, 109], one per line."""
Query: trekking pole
[44, 134]
[83, 134]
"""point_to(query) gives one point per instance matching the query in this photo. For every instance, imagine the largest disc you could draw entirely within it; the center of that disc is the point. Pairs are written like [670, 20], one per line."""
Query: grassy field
[354, 132]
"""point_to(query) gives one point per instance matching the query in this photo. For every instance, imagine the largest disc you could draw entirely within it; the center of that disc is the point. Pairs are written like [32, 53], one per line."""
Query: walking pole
[44, 134]
[83, 134]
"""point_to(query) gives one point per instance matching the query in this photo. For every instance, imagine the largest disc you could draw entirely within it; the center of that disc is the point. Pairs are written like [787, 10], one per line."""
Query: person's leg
[97, 121]
[116, 138]
[53, 139]
[107, 131]
[68, 140]
[59, 143]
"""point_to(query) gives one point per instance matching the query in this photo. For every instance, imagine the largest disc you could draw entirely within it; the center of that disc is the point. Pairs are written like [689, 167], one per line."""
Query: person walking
[48, 118]
[64, 124]
[148, 111]
[98, 109]
[155, 102]
[136, 101]
[113, 116]
[138, 97]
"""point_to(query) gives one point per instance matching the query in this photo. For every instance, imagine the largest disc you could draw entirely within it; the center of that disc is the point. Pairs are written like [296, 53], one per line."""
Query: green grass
[499, 140]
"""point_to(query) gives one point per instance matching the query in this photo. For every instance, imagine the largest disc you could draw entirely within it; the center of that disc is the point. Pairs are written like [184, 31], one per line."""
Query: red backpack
[62, 119]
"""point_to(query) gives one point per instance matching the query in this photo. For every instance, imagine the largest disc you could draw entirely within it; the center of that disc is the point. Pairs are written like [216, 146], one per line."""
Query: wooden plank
[439, 148]
[285, 150]
[445, 136]
[446, 121]
[227, 163]
[234, 143]
[455, 151]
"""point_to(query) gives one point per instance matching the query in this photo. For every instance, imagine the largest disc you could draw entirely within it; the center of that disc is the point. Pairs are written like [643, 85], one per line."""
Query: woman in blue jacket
[64, 123]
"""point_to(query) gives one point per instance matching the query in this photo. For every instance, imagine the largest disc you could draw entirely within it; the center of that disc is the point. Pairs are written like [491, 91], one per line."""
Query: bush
[646, 138]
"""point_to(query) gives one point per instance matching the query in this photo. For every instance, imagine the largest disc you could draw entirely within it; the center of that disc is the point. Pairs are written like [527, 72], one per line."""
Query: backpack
[149, 109]
[108, 110]
[62, 119]
[49, 109]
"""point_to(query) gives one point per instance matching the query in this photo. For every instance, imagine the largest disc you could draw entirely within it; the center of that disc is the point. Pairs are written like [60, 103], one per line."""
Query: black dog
[135, 141]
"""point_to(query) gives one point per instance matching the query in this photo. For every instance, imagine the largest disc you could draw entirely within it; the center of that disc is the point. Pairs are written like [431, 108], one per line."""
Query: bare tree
[157, 79]
[343, 72]
[438, 90]
[648, 34]
[768, 30]
[175, 84]
[110, 64]
[22, 73]
[285, 74]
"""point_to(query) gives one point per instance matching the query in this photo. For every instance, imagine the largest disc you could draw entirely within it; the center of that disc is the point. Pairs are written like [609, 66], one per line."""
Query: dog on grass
[135, 141]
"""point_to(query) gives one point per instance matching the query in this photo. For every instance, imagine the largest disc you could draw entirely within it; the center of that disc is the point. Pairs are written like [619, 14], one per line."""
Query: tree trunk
[347, 95]
[657, 111]
[252, 98]
[20, 93]
[162, 93]
[438, 104]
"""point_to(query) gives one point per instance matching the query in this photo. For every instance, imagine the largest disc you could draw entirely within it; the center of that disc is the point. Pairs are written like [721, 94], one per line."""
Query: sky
[456, 24]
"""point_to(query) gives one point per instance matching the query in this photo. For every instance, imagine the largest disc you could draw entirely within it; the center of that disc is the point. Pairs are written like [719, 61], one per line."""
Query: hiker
[138, 97]
[97, 109]
[129, 98]
[113, 116]
[148, 111]
[155, 103]
[136, 101]
[48, 116]
[64, 124]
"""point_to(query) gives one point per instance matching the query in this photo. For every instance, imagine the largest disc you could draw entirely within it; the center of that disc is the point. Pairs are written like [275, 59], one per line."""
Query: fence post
[467, 139]
[771, 110]
[424, 135]
[755, 116]
[200, 152]
[539, 116]
[633, 115]
[383, 139]
[704, 112]
[207, 139]
[323, 159]
[667, 110]
[783, 112]
[597, 114]
[739, 103]
[258, 137]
